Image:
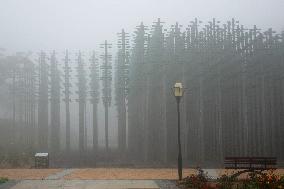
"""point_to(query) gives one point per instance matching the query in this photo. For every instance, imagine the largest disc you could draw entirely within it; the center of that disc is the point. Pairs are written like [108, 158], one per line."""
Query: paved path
[59, 175]
[99, 178]
[91, 184]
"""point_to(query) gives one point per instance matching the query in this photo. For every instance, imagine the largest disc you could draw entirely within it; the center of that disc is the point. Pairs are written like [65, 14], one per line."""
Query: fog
[56, 25]
[91, 82]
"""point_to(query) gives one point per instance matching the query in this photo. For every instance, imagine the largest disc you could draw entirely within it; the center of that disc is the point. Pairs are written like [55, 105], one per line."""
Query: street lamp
[178, 93]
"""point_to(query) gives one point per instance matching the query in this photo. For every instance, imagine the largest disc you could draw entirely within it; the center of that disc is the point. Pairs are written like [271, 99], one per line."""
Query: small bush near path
[226, 182]
[199, 181]
[3, 180]
[254, 180]
[263, 181]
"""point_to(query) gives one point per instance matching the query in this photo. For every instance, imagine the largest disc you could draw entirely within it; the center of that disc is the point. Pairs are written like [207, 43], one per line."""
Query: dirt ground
[123, 173]
[22, 174]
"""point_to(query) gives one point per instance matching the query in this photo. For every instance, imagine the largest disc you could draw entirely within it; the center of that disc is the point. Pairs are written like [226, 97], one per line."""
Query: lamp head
[178, 90]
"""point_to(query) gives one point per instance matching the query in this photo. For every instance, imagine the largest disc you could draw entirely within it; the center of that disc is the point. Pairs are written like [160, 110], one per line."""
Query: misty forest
[115, 105]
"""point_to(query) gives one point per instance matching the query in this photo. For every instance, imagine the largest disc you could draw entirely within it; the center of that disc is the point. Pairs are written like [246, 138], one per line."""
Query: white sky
[84, 24]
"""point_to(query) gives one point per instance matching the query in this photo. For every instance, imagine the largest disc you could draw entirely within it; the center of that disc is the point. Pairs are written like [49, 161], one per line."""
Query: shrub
[226, 182]
[199, 181]
[3, 180]
[254, 180]
[263, 181]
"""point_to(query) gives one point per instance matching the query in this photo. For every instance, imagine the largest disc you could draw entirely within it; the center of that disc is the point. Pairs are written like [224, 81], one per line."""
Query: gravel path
[166, 184]
[59, 175]
[9, 184]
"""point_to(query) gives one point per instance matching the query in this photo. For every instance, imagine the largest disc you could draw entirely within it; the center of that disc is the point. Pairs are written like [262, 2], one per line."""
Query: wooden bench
[250, 163]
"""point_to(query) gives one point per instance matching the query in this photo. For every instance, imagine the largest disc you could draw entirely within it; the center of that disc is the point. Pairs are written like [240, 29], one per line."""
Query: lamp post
[178, 93]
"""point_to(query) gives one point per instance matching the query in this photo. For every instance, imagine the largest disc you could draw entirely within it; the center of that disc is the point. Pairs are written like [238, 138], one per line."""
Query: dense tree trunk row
[233, 102]
[234, 93]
